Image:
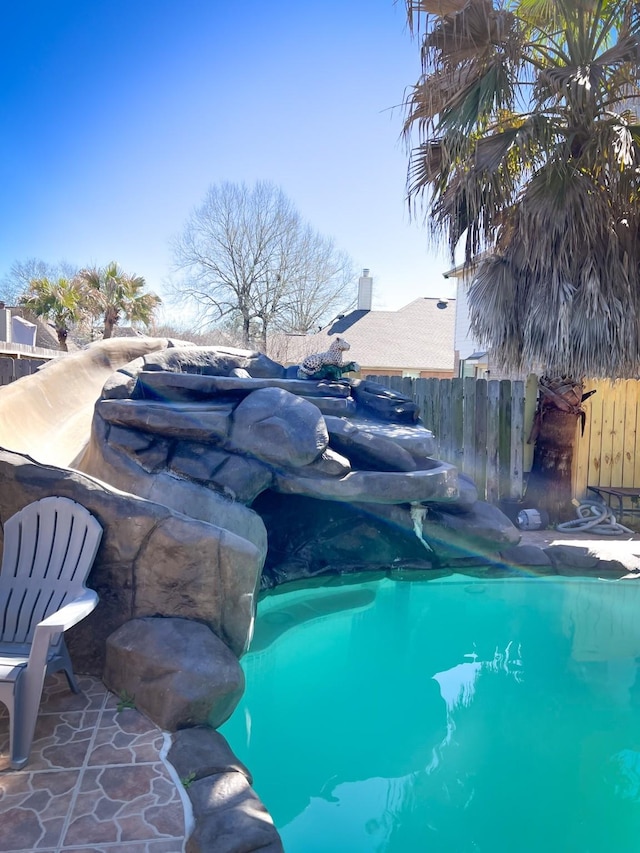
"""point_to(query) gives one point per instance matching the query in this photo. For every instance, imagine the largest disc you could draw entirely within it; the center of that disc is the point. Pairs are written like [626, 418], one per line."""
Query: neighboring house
[471, 357]
[25, 336]
[416, 341]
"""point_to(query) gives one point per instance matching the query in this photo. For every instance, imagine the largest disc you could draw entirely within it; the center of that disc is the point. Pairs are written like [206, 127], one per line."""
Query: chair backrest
[49, 548]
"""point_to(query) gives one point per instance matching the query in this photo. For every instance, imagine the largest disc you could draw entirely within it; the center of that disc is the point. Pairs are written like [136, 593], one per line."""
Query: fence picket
[6, 370]
[457, 416]
[516, 450]
[468, 429]
[444, 420]
[22, 367]
[504, 437]
[493, 433]
[480, 436]
[435, 408]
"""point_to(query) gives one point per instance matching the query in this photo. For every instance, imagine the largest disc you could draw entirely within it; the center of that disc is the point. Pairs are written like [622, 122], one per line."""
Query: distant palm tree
[61, 301]
[115, 294]
[529, 152]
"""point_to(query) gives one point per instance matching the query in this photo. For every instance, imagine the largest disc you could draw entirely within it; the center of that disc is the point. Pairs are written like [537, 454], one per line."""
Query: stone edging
[228, 815]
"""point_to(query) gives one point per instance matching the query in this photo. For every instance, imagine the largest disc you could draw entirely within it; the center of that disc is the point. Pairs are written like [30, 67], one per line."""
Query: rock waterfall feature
[322, 476]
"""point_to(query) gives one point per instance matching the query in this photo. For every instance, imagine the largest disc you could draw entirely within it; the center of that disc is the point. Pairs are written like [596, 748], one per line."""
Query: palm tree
[115, 294]
[528, 151]
[61, 301]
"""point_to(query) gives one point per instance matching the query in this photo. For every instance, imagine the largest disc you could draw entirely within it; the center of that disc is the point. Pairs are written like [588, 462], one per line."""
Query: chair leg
[25, 714]
[67, 668]
[8, 699]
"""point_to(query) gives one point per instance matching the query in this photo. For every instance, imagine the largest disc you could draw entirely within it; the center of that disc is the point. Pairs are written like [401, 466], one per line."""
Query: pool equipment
[532, 519]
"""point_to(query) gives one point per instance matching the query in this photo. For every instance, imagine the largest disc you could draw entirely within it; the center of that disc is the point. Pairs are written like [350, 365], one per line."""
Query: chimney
[5, 324]
[365, 287]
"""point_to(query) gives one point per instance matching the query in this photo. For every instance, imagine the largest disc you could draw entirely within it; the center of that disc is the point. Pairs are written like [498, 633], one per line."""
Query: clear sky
[116, 115]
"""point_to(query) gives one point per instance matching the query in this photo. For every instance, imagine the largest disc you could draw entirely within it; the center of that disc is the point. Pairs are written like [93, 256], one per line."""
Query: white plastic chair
[49, 548]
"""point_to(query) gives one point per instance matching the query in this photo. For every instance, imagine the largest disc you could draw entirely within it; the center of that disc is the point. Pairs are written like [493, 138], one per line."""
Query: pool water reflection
[495, 716]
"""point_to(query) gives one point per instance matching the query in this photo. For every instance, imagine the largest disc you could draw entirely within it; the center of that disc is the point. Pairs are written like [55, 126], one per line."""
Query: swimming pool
[493, 716]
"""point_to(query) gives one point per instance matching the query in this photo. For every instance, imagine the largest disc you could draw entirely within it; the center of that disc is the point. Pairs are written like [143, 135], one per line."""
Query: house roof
[418, 336]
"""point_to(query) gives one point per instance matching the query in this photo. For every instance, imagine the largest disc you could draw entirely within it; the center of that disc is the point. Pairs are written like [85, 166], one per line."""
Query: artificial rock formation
[152, 560]
[341, 472]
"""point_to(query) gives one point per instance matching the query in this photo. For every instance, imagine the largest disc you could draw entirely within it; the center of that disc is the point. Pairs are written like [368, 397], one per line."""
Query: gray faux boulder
[208, 423]
[278, 427]
[415, 438]
[567, 557]
[528, 555]
[369, 450]
[228, 814]
[437, 483]
[190, 387]
[230, 818]
[217, 361]
[152, 560]
[480, 531]
[177, 671]
[377, 401]
[201, 751]
[136, 473]
[238, 476]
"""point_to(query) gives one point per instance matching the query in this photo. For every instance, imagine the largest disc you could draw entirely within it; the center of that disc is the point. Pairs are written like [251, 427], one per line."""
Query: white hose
[596, 517]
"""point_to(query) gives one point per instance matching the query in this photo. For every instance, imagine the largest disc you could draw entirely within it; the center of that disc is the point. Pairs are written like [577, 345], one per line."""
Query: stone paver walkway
[96, 781]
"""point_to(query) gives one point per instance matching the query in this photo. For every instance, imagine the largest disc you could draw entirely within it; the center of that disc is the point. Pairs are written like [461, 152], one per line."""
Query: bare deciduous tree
[246, 253]
[17, 281]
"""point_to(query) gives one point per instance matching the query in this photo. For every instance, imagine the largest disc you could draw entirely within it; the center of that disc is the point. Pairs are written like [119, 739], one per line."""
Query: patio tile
[125, 803]
[61, 740]
[94, 782]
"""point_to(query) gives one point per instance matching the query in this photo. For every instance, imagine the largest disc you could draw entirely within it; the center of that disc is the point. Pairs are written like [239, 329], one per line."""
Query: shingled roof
[419, 336]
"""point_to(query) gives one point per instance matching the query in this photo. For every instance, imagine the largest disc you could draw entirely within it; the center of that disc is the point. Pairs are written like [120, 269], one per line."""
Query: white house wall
[464, 343]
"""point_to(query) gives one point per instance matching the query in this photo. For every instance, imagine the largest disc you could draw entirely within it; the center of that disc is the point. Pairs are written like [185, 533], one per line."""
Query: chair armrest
[50, 629]
[71, 613]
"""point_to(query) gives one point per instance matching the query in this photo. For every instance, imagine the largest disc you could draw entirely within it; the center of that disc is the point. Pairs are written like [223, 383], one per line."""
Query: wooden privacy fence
[607, 454]
[481, 426]
[15, 368]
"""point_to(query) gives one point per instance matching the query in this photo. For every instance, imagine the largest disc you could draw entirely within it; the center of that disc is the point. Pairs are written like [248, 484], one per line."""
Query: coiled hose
[595, 517]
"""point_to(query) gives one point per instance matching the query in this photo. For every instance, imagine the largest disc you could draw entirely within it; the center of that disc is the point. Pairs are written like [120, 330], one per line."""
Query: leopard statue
[329, 364]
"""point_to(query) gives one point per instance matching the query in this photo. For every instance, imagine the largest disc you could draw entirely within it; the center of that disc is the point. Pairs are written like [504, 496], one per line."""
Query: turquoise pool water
[451, 716]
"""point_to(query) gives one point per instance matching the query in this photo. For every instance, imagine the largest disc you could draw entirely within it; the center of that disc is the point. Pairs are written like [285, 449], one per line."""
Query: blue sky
[116, 116]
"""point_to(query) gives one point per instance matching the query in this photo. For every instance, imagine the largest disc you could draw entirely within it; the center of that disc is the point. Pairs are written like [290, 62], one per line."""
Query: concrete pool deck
[624, 548]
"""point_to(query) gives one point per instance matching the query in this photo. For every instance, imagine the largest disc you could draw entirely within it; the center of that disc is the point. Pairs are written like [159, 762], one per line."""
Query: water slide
[48, 415]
